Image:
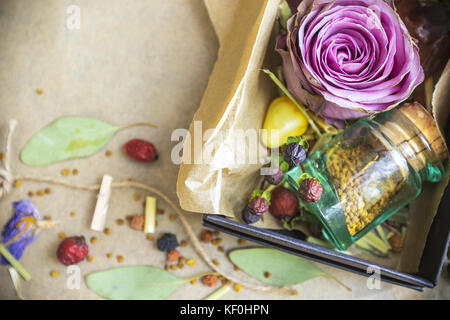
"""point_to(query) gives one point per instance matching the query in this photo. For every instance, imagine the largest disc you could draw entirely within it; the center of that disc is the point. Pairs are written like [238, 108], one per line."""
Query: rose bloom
[349, 58]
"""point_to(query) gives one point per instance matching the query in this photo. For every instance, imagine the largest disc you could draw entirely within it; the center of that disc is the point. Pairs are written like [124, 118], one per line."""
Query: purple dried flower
[21, 229]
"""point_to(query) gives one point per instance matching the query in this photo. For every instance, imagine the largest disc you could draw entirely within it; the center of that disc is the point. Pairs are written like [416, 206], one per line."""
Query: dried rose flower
[310, 190]
[349, 58]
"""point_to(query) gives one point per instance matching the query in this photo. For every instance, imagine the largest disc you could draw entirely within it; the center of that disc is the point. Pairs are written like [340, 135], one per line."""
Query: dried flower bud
[258, 205]
[173, 255]
[206, 236]
[137, 222]
[396, 242]
[294, 154]
[249, 217]
[310, 190]
[210, 280]
[276, 177]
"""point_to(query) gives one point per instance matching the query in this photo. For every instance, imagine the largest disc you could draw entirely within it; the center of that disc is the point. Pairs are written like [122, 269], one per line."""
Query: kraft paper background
[131, 61]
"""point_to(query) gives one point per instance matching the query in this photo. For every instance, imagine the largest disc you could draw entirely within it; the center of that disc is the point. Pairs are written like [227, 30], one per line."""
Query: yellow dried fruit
[120, 259]
[40, 193]
[90, 258]
[216, 262]
[73, 214]
[108, 153]
[119, 222]
[109, 255]
[183, 243]
[137, 196]
[30, 194]
[75, 172]
[149, 237]
[94, 240]
[172, 217]
[17, 183]
[62, 235]
[65, 171]
[107, 231]
[39, 91]
[48, 190]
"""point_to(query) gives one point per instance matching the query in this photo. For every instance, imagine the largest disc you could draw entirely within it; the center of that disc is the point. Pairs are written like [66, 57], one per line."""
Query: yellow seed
[181, 259]
[180, 265]
[39, 91]
[149, 237]
[216, 241]
[237, 287]
[62, 235]
[73, 213]
[120, 259]
[40, 193]
[216, 233]
[226, 282]
[174, 267]
[54, 273]
[107, 231]
[160, 211]
[48, 190]
[190, 262]
[2, 155]
[221, 249]
[172, 217]
[75, 172]
[216, 262]
[30, 194]
[267, 274]
[17, 184]
[137, 196]
[194, 281]
[65, 171]
[183, 243]
[242, 241]
[47, 218]
[109, 255]
[119, 222]
[108, 153]
[94, 240]
[166, 267]
[90, 258]
[236, 268]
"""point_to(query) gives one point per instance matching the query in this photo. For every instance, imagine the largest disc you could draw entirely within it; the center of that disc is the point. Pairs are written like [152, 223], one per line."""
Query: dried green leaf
[66, 138]
[285, 269]
[133, 283]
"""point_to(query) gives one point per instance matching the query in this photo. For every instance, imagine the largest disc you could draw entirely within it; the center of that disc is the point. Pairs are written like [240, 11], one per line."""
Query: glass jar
[372, 169]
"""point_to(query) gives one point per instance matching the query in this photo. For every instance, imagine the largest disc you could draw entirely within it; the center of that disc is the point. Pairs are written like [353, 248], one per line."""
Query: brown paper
[237, 97]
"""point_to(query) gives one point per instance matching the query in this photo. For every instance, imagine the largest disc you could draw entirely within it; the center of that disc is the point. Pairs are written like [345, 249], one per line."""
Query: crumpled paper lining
[237, 97]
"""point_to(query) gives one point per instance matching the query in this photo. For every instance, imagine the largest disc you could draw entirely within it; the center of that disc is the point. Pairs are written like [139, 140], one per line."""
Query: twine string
[7, 179]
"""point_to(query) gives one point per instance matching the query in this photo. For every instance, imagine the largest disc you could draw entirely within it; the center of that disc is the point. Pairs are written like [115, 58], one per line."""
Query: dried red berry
[294, 154]
[72, 250]
[283, 202]
[258, 205]
[310, 190]
[141, 150]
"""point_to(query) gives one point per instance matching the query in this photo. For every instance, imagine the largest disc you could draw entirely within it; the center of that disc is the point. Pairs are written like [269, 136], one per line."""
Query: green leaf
[285, 269]
[133, 283]
[67, 138]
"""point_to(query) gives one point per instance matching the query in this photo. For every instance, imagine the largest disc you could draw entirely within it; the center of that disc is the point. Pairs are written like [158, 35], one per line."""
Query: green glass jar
[372, 169]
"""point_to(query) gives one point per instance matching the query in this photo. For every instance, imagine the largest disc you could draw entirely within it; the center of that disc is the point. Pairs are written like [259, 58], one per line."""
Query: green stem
[329, 276]
[288, 94]
[218, 293]
[14, 263]
[137, 124]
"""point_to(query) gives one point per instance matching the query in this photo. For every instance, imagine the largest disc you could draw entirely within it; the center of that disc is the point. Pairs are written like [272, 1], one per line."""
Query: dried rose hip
[72, 250]
[294, 154]
[249, 217]
[258, 205]
[275, 178]
[283, 202]
[141, 150]
[310, 190]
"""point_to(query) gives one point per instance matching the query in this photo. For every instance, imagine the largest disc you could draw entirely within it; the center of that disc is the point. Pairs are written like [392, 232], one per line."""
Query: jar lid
[423, 120]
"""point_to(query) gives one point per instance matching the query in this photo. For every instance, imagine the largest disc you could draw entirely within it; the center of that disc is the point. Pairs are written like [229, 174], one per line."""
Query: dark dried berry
[249, 217]
[310, 190]
[167, 242]
[294, 154]
[141, 150]
[258, 205]
[275, 178]
[283, 202]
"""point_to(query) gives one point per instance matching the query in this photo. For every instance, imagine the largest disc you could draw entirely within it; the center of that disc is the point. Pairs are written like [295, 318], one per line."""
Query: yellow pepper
[284, 116]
